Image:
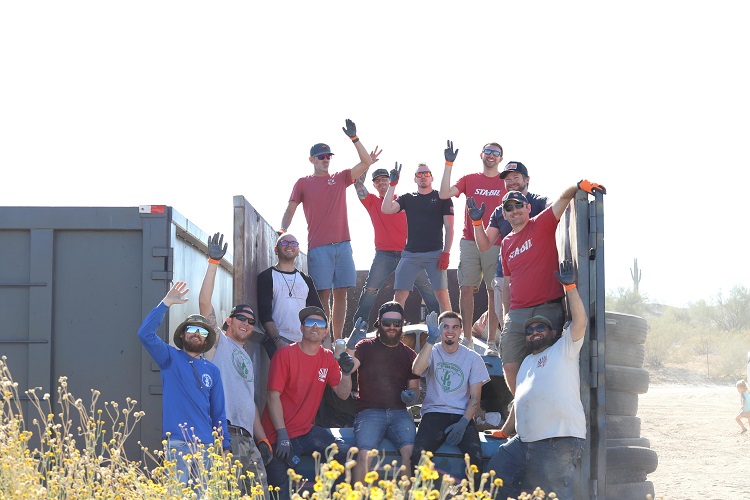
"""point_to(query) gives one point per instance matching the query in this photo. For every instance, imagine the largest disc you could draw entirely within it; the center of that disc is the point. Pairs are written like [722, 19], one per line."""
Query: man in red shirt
[486, 187]
[323, 196]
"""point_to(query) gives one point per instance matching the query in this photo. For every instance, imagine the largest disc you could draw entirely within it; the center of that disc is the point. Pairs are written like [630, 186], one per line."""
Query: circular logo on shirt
[207, 380]
[449, 376]
[240, 363]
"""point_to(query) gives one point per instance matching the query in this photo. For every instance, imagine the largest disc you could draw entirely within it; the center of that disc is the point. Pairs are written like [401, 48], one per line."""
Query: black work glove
[475, 213]
[358, 333]
[283, 445]
[266, 452]
[346, 362]
[350, 129]
[215, 249]
[567, 275]
[450, 155]
[395, 174]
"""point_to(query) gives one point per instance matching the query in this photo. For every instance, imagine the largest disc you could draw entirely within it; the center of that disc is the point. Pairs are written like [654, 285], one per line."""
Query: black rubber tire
[624, 476]
[621, 403]
[624, 378]
[640, 441]
[620, 427]
[631, 491]
[631, 458]
[625, 327]
[624, 353]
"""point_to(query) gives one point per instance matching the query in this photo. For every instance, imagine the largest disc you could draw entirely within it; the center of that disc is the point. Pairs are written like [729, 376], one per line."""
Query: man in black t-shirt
[426, 218]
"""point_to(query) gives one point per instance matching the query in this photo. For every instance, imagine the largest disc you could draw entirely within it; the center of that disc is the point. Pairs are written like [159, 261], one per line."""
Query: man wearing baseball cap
[549, 416]
[390, 238]
[237, 374]
[474, 265]
[529, 257]
[323, 195]
[193, 395]
[297, 379]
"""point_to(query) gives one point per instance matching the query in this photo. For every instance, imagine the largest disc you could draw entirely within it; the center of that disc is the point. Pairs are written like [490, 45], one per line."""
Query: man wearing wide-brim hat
[193, 396]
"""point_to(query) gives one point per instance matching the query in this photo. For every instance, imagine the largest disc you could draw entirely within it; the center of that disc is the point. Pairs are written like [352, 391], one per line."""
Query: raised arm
[359, 186]
[559, 205]
[216, 251]
[579, 321]
[434, 331]
[391, 206]
[364, 158]
[446, 190]
[483, 237]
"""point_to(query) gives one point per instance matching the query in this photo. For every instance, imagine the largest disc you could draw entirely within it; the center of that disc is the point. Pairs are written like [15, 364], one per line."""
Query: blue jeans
[317, 439]
[383, 266]
[371, 426]
[175, 450]
[549, 463]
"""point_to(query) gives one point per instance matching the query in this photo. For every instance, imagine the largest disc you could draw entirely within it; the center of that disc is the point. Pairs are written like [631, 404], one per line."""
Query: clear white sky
[189, 103]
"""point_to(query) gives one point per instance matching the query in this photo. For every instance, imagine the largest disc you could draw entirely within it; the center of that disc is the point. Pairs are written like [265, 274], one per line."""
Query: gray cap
[380, 173]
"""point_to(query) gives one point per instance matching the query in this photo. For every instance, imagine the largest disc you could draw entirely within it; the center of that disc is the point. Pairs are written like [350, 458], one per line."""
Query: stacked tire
[629, 457]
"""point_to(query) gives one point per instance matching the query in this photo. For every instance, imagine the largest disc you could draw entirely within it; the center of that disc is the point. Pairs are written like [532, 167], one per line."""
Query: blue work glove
[283, 445]
[346, 362]
[359, 332]
[456, 431]
[433, 330]
[408, 396]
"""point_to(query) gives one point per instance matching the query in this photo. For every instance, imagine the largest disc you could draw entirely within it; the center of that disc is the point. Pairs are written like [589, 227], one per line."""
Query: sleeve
[346, 175]
[312, 293]
[503, 260]
[298, 191]
[447, 207]
[265, 296]
[279, 370]
[461, 186]
[334, 372]
[496, 218]
[479, 371]
[412, 357]
[547, 219]
[403, 201]
[359, 352]
[156, 347]
[218, 409]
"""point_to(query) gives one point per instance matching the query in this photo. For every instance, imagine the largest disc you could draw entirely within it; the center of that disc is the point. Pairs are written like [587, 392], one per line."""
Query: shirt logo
[541, 362]
[519, 250]
[240, 363]
[486, 192]
[322, 374]
[207, 380]
[331, 181]
[449, 376]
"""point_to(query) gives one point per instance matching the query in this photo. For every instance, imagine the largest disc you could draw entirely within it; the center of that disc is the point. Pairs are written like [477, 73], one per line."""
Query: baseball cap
[391, 306]
[514, 195]
[309, 311]
[537, 319]
[320, 149]
[239, 308]
[380, 173]
[195, 320]
[514, 166]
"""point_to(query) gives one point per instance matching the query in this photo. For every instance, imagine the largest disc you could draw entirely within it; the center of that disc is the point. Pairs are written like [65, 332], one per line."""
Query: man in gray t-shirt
[455, 376]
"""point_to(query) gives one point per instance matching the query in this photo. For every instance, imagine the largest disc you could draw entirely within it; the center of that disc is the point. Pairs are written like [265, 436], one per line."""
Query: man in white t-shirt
[550, 420]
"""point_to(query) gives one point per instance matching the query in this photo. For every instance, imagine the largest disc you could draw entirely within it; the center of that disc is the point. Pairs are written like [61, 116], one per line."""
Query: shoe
[492, 350]
[467, 341]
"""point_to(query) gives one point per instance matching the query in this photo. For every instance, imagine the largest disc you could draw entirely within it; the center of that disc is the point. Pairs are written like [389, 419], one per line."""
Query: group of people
[508, 240]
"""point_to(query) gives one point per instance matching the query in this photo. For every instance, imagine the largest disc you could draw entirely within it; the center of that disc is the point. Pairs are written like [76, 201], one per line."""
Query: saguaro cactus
[635, 273]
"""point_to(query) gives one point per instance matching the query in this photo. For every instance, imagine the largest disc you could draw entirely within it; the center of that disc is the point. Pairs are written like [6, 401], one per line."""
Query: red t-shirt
[384, 372]
[390, 229]
[487, 190]
[324, 202]
[301, 380]
[530, 260]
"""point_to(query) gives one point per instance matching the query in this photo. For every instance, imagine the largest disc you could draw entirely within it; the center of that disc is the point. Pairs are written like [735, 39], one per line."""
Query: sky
[190, 103]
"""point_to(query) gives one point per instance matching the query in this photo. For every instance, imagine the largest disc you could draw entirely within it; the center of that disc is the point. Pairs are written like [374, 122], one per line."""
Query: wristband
[213, 261]
[265, 440]
[448, 163]
[569, 287]
[394, 183]
[476, 222]
[354, 139]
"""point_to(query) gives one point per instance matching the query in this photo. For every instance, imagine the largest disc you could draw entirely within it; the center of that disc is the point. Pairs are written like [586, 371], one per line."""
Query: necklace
[290, 288]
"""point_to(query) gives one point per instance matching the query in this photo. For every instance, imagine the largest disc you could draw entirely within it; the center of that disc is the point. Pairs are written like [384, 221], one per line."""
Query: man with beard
[283, 291]
[237, 375]
[390, 238]
[386, 386]
[193, 395]
[474, 265]
[454, 375]
[550, 420]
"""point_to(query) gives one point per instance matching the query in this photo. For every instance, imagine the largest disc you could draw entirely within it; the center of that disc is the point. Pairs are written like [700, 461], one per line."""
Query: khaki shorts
[513, 340]
[474, 265]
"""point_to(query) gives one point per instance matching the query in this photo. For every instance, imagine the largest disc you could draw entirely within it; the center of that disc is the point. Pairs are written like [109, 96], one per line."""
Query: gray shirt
[449, 378]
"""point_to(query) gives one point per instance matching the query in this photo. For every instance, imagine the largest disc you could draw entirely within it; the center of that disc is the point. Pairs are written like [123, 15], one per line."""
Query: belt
[236, 429]
[555, 301]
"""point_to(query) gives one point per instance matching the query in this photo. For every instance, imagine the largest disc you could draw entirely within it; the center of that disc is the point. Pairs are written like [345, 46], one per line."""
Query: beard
[542, 343]
[387, 340]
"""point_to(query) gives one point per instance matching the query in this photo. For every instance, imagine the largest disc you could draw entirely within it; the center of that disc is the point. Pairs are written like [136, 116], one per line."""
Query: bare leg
[400, 296]
[325, 298]
[406, 452]
[492, 320]
[338, 314]
[445, 301]
[466, 304]
[358, 473]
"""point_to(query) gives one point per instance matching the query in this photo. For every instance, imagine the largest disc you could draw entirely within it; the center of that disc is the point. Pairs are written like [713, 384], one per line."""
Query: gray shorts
[513, 340]
[411, 263]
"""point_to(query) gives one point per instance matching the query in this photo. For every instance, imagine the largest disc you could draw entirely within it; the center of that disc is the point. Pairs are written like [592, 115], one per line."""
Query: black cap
[514, 195]
[239, 308]
[309, 311]
[514, 166]
[380, 173]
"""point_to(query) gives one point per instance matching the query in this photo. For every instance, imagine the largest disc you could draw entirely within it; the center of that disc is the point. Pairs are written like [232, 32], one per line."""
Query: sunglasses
[325, 157]
[197, 329]
[286, 243]
[538, 328]
[313, 322]
[390, 322]
[513, 206]
[492, 152]
[244, 319]
[423, 174]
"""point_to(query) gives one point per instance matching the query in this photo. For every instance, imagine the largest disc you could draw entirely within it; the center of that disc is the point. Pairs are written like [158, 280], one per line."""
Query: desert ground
[691, 425]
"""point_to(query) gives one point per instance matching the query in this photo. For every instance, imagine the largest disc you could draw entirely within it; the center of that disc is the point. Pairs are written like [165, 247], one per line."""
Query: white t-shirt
[548, 393]
[449, 377]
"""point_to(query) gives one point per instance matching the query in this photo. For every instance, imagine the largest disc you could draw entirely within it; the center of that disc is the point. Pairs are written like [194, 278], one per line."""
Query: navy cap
[514, 195]
[514, 166]
[380, 173]
[238, 309]
[320, 149]
[537, 319]
[391, 306]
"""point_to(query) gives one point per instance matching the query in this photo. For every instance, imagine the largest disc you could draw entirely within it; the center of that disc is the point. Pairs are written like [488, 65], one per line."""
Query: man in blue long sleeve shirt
[193, 396]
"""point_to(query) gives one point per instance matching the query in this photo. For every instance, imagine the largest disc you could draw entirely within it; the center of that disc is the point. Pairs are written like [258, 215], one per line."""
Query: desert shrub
[664, 337]
[731, 359]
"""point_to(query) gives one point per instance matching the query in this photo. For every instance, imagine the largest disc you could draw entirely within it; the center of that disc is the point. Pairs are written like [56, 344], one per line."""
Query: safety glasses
[423, 174]
[325, 157]
[197, 329]
[315, 322]
[492, 152]
[509, 207]
[538, 328]
[244, 319]
[390, 322]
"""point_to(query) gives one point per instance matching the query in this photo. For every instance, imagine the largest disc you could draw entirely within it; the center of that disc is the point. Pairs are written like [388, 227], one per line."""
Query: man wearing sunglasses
[193, 395]
[474, 265]
[384, 393]
[297, 379]
[323, 196]
[390, 238]
[283, 291]
[549, 418]
[427, 218]
[237, 373]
